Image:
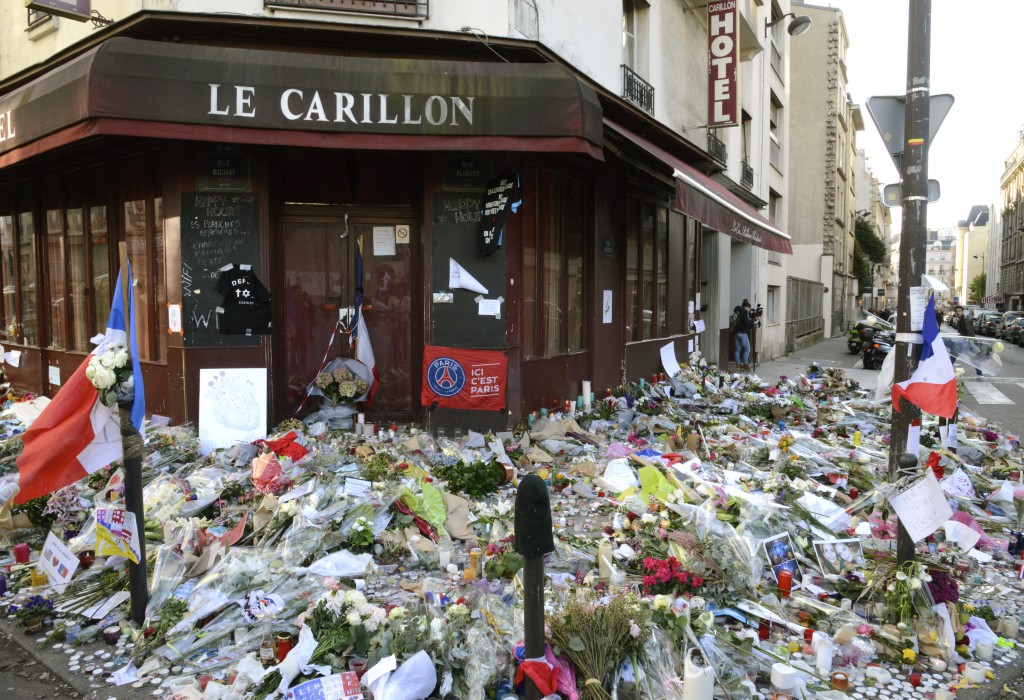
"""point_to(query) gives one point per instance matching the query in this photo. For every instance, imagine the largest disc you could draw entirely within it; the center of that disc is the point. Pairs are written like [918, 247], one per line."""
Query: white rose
[121, 358]
[104, 378]
[354, 619]
[107, 359]
[90, 371]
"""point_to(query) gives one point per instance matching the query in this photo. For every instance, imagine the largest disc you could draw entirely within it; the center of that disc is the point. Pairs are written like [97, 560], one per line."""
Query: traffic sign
[889, 114]
[892, 195]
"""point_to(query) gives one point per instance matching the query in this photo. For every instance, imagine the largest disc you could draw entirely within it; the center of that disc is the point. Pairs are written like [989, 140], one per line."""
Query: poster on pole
[918, 304]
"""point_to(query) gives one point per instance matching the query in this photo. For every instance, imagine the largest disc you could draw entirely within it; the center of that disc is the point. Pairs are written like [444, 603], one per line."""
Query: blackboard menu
[216, 230]
[459, 324]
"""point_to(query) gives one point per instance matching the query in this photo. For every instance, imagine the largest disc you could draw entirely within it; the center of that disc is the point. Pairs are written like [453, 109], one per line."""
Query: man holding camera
[745, 320]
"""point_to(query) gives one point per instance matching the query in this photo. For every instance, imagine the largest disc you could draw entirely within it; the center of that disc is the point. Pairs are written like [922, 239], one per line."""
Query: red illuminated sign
[723, 64]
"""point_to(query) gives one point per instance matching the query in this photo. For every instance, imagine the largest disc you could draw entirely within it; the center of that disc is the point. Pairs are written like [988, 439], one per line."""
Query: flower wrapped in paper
[342, 383]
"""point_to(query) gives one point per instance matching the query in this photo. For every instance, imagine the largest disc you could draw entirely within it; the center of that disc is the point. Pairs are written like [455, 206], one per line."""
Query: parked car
[1004, 323]
[1013, 334]
[987, 323]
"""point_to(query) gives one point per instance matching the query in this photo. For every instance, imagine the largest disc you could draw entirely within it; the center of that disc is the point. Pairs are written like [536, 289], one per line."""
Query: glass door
[317, 282]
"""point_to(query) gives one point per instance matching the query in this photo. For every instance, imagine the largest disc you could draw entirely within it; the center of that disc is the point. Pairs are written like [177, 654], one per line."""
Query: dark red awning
[169, 90]
[712, 203]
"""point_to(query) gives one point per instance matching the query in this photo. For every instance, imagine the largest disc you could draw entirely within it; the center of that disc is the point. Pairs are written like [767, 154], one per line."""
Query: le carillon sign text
[158, 83]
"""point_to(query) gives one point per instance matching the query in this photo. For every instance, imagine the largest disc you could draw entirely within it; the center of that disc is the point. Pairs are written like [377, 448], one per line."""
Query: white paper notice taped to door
[459, 278]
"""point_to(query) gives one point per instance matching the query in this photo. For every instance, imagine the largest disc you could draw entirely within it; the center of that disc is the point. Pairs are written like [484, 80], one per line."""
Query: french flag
[359, 332]
[76, 434]
[932, 387]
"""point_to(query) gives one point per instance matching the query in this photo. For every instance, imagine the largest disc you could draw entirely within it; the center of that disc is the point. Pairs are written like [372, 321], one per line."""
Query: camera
[757, 312]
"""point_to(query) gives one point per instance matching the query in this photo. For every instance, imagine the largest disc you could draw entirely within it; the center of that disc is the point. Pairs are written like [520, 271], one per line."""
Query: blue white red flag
[76, 434]
[932, 387]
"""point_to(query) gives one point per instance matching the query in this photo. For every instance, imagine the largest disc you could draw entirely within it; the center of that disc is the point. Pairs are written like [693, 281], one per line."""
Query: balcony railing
[637, 90]
[396, 8]
[716, 148]
[747, 177]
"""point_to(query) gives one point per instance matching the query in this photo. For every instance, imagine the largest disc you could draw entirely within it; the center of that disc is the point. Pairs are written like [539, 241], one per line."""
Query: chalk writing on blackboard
[217, 230]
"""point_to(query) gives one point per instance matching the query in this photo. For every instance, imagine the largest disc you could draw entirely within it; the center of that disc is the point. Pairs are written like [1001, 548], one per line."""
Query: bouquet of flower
[344, 621]
[111, 374]
[362, 535]
[341, 386]
[668, 576]
[35, 606]
[597, 637]
[342, 382]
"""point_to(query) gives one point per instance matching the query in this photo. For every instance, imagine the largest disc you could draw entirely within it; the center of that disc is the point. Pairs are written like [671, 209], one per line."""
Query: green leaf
[576, 644]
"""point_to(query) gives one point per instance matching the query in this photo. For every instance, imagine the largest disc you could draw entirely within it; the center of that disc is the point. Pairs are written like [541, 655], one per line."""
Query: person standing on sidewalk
[961, 323]
[741, 335]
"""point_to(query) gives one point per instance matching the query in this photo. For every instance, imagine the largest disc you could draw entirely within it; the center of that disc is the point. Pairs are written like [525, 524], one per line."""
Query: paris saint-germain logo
[445, 377]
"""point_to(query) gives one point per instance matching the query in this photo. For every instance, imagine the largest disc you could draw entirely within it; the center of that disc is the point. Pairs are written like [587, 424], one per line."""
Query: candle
[785, 582]
[21, 553]
[984, 651]
[587, 395]
[1010, 627]
[604, 559]
[823, 656]
[579, 402]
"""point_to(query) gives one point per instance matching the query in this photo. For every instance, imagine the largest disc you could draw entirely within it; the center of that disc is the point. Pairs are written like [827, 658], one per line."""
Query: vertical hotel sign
[723, 64]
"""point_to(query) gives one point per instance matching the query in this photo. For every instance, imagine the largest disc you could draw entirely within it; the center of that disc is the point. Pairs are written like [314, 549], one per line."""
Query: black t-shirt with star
[246, 306]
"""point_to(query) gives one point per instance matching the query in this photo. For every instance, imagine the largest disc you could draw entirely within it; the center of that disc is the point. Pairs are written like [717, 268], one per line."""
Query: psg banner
[466, 379]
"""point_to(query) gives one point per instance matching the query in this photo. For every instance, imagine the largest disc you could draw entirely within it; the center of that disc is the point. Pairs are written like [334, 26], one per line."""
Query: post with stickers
[131, 443]
[533, 539]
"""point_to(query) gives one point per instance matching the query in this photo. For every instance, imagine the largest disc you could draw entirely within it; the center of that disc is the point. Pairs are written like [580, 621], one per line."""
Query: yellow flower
[909, 656]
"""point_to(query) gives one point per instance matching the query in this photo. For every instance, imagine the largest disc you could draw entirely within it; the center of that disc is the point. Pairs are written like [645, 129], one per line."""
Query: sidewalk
[831, 352]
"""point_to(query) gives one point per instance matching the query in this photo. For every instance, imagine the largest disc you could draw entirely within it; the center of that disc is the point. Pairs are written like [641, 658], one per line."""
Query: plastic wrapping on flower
[168, 573]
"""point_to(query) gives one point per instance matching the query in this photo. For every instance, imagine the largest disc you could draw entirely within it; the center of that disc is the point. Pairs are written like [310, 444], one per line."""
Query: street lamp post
[984, 271]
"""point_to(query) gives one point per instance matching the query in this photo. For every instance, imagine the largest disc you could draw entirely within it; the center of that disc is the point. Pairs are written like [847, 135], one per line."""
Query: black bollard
[534, 539]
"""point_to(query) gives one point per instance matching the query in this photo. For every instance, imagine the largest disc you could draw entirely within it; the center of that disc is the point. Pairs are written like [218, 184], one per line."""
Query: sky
[975, 50]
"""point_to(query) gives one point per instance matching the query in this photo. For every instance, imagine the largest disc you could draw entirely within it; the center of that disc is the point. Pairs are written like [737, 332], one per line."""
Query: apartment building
[822, 208]
[297, 138]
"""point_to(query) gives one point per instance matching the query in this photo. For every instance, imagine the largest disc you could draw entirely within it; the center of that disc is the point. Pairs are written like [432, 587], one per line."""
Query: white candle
[823, 656]
[1010, 627]
[586, 395]
[361, 418]
[984, 651]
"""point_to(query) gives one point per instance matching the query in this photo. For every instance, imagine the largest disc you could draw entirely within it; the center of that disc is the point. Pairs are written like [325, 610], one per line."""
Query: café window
[8, 277]
[143, 234]
[554, 281]
[646, 270]
[143, 221]
[28, 313]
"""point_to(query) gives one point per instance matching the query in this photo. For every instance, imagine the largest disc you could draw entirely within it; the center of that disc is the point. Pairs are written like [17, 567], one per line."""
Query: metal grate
[716, 148]
[416, 9]
[637, 90]
[747, 178]
[804, 316]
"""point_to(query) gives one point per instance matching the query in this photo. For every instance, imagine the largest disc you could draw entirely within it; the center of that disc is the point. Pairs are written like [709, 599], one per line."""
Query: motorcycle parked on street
[880, 345]
[862, 333]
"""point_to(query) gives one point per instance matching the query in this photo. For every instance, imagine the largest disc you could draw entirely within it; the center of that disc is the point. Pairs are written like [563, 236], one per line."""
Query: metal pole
[914, 237]
[131, 446]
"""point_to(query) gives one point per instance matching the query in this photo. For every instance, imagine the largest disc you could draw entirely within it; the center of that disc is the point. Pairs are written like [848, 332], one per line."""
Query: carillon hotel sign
[723, 64]
[130, 86]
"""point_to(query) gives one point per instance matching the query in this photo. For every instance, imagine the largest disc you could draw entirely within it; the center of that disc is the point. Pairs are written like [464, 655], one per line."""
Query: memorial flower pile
[751, 522]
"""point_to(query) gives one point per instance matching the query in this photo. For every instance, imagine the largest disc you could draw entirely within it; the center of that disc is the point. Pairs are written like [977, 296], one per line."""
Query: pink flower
[634, 630]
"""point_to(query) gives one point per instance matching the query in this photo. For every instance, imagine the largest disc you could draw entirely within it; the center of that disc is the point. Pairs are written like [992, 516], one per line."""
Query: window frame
[549, 187]
[635, 329]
